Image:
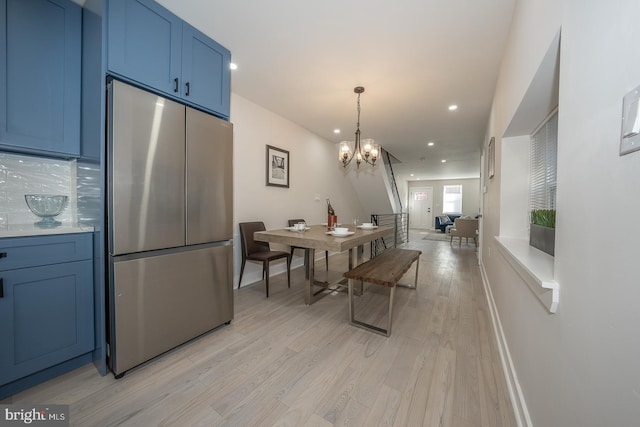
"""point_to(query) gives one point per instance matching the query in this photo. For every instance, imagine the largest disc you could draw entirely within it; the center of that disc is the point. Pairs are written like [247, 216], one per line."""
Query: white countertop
[23, 230]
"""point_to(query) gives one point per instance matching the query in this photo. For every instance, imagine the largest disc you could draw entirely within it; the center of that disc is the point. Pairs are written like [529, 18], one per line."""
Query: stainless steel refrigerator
[169, 224]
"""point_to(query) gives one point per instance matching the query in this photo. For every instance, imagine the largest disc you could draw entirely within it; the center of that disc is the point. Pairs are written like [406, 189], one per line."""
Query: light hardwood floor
[282, 363]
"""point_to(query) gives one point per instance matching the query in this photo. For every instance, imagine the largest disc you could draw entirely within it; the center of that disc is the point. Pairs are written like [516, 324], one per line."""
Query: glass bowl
[47, 207]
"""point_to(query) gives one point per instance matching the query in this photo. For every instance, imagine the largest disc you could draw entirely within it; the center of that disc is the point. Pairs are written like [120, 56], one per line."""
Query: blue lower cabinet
[46, 313]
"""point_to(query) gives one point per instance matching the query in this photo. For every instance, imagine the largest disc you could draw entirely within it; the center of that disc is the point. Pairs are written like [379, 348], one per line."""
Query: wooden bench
[385, 269]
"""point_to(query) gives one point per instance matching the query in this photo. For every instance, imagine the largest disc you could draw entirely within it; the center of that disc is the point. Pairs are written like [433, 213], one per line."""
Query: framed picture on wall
[277, 167]
[492, 158]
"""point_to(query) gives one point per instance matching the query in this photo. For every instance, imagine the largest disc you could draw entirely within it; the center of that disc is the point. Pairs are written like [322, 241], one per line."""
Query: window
[452, 199]
[542, 172]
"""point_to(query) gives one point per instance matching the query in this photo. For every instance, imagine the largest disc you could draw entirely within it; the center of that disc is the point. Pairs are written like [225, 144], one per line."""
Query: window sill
[535, 267]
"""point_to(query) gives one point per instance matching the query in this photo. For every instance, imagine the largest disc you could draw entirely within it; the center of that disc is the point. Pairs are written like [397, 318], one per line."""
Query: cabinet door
[46, 315]
[205, 71]
[40, 76]
[144, 44]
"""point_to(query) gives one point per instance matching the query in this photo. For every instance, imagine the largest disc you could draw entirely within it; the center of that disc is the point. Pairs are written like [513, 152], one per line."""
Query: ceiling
[302, 60]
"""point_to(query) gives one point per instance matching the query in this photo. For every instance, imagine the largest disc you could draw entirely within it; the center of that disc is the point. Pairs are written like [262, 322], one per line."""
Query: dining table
[320, 237]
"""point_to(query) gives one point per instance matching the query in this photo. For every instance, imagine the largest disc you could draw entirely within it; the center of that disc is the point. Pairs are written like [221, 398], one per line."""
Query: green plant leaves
[544, 217]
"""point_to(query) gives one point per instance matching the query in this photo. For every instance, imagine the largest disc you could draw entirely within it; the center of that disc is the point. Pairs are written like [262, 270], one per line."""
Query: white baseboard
[515, 392]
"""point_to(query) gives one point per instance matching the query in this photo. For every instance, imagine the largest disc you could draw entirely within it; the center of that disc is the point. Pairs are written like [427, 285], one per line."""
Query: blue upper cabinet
[149, 45]
[40, 48]
[205, 71]
[144, 43]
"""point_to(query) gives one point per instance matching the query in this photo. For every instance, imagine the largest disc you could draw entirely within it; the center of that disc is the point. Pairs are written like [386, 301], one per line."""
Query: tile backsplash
[20, 175]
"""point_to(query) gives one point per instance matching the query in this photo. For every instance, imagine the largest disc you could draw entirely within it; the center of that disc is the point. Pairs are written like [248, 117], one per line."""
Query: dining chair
[306, 252]
[255, 251]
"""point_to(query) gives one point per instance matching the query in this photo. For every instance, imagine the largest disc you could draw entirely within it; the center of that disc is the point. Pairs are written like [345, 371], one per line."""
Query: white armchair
[463, 227]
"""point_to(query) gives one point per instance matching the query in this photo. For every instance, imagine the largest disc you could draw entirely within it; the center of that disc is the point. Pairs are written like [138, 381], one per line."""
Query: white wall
[580, 366]
[314, 171]
[372, 187]
[470, 194]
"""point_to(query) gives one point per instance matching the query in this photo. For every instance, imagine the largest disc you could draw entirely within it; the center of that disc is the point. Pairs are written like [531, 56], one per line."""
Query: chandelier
[366, 150]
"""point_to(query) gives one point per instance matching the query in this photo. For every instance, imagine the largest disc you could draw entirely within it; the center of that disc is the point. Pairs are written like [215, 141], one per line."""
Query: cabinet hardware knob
[188, 88]
[3, 254]
[176, 86]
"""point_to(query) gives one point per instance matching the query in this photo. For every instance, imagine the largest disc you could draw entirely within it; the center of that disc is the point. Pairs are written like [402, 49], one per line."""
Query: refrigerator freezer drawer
[160, 302]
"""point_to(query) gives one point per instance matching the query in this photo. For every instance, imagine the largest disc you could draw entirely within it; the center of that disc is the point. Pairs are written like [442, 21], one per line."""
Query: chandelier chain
[358, 122]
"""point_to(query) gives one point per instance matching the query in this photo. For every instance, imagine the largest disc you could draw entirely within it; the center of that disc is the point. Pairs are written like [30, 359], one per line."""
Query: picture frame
[630, 136]
[277, 167]
[492, 158]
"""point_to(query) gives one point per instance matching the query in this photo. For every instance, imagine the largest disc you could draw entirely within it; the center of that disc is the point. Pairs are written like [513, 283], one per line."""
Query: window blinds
[542, 172]
[452, 199]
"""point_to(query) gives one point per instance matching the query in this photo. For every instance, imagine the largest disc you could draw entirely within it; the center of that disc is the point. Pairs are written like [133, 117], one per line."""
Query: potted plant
[542, 234]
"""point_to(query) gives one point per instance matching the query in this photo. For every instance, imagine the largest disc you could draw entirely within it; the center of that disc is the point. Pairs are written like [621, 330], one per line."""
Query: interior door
[421, 207]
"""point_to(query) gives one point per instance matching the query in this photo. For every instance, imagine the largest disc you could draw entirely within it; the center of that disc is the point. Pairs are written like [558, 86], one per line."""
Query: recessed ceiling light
[336, 131]
[411, 174]
[431, 143]
[443, 161]
[418, 179]
[233, 66]
[453, 107]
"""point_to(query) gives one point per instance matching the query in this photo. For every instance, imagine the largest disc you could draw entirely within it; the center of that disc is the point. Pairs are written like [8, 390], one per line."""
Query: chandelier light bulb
[345, 152]
[374, 152]
[367, 146]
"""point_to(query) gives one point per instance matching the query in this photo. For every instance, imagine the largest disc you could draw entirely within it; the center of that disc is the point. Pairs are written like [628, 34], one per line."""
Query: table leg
[308, 297]
[312, 296]
[354, 263]
[359, 252]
